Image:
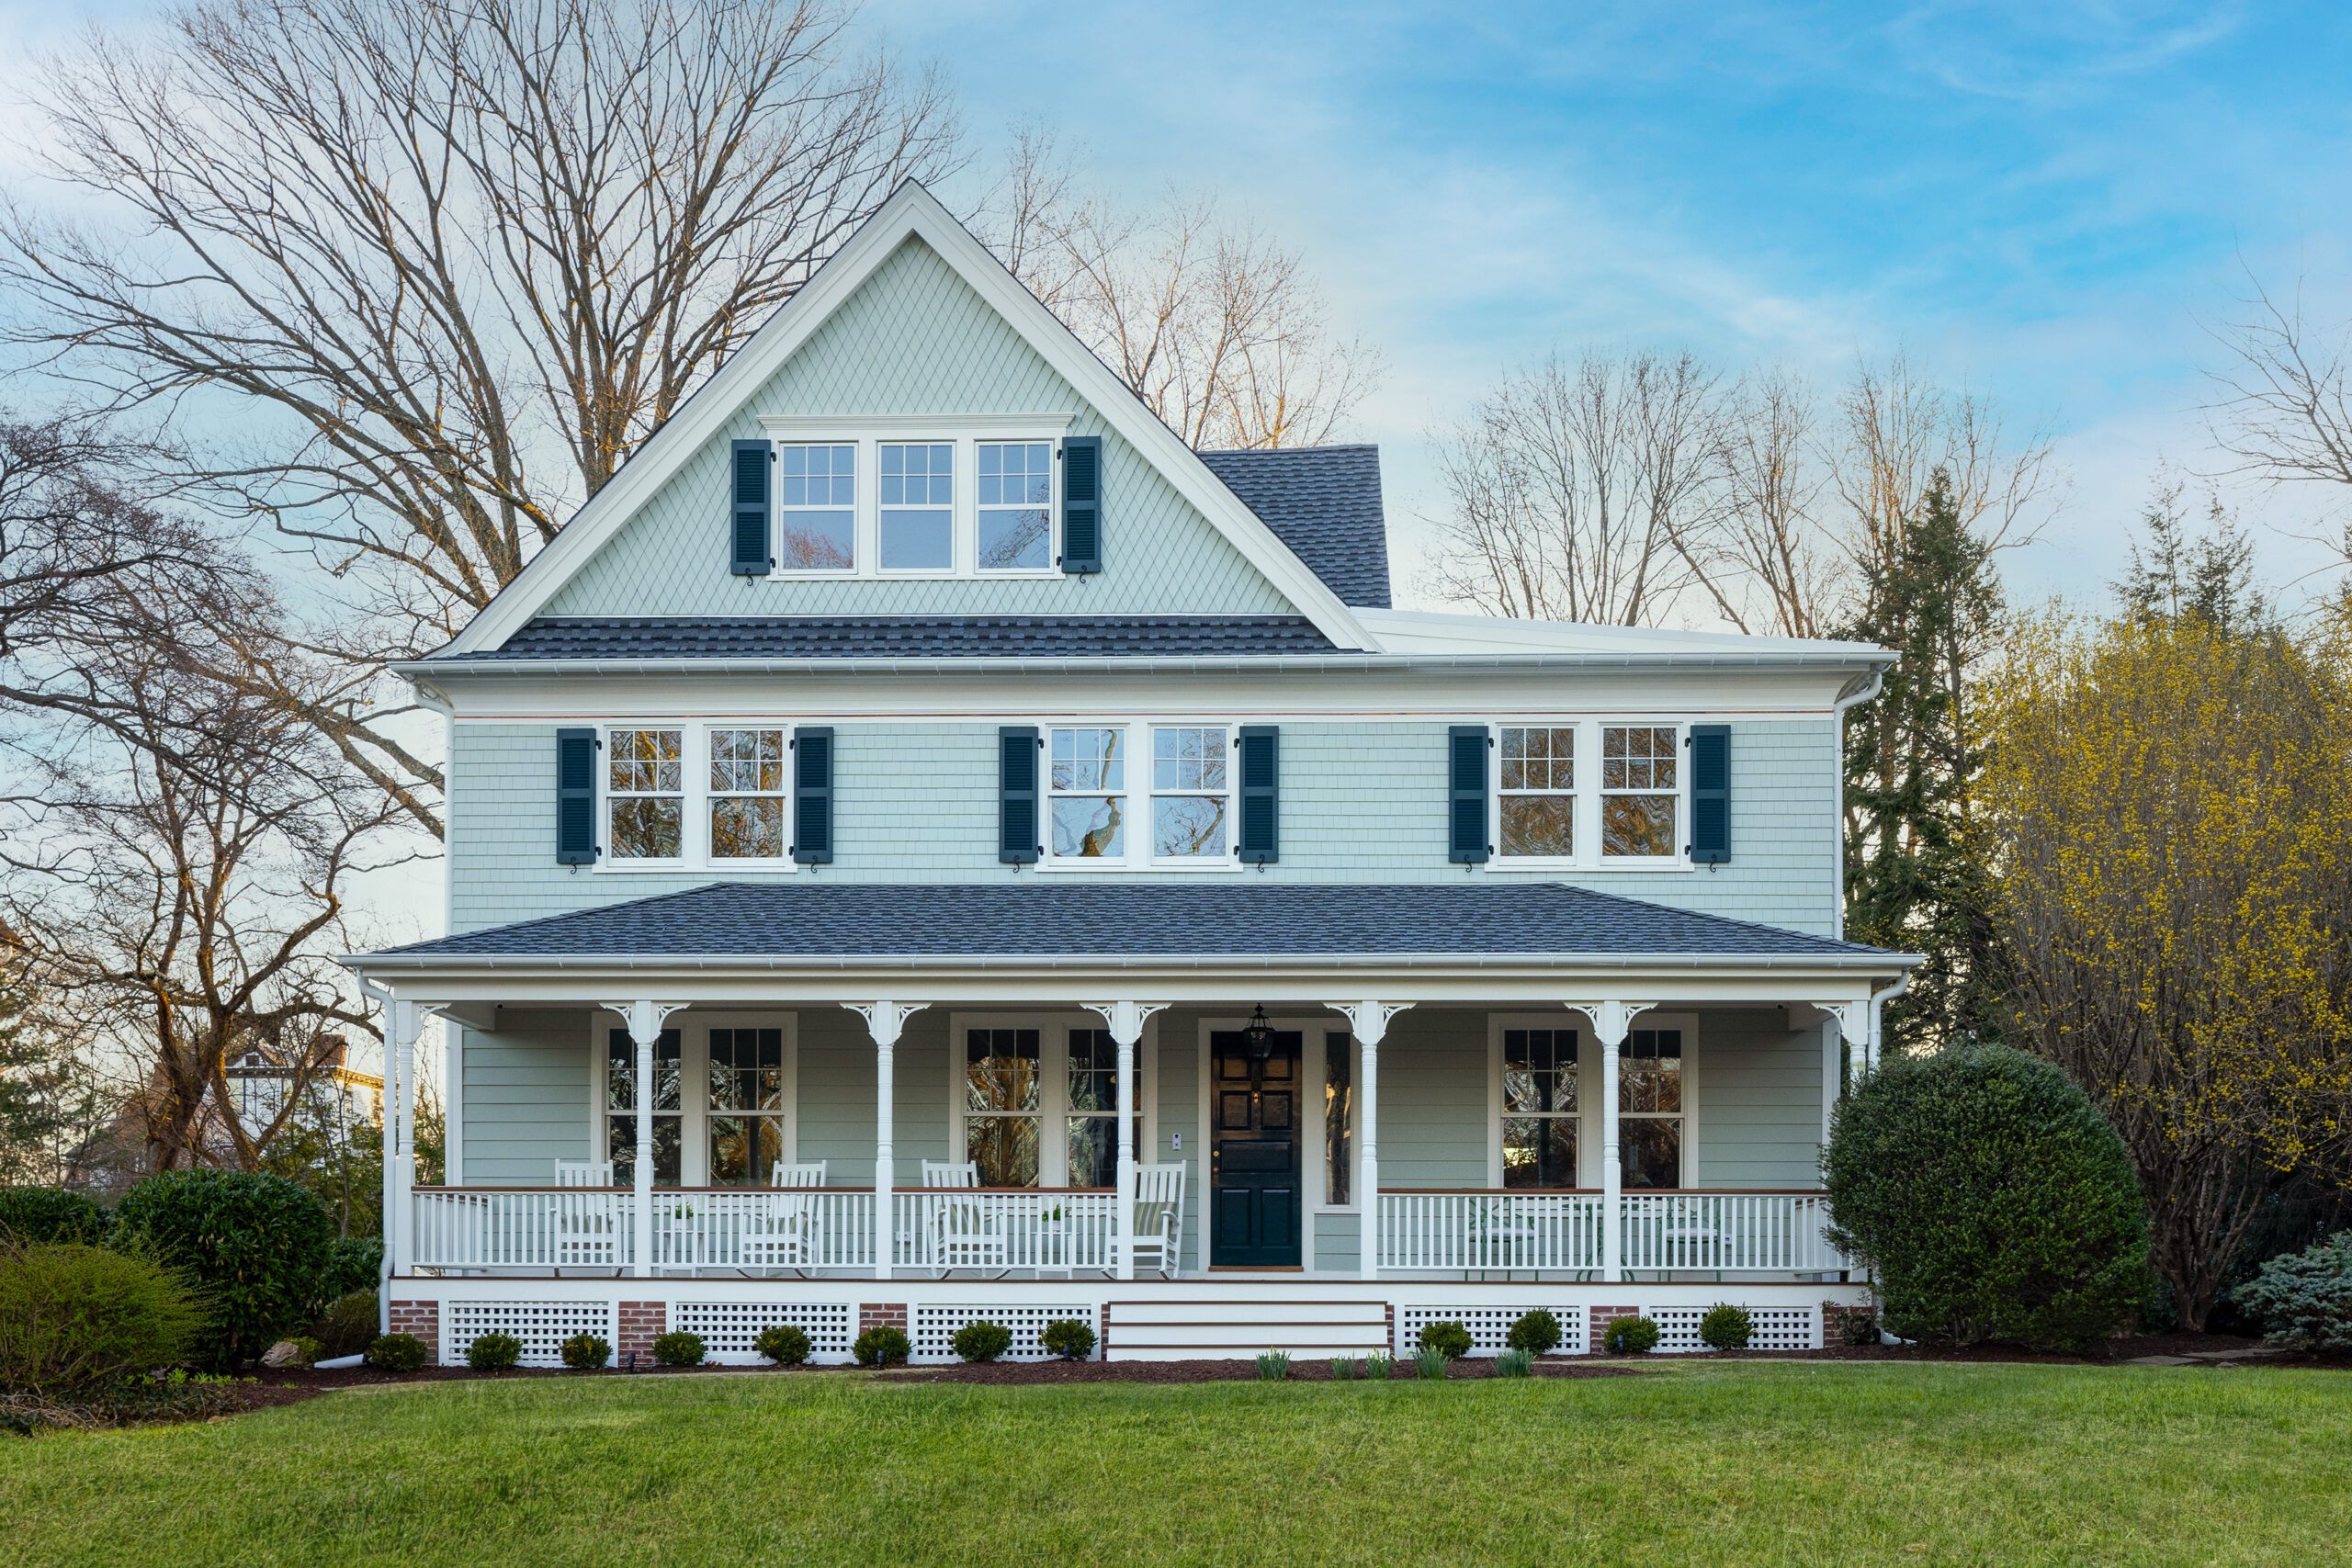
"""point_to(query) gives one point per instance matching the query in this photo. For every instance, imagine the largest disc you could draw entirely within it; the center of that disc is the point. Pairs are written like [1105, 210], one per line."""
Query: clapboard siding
[525, 1101]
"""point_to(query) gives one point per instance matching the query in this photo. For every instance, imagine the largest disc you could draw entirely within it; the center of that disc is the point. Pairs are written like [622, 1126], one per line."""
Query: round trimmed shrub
[396, 1353]
[1991, 1201]
[79, 1317]
[981, 1341]
[1070, 1339]
[32, 1215]
[1630, 1337]
[354, 1263]
[586, 1352]
[493, 1352]
[1726, 1327]
[255, 1246]
[785, 1344]
[347, 1326]
[884, 1345]
[2303, 1300]
[679, 1348]
[1448, 1339]
[1537, 1332]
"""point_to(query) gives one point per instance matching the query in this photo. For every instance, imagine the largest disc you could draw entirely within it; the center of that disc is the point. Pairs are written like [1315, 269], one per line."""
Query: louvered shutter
[575, 798]
[749, 532]
[1465, 767]
[1260, 793]
[812, 796]
[1016, 794]
[1711, 793]
[1081, 504]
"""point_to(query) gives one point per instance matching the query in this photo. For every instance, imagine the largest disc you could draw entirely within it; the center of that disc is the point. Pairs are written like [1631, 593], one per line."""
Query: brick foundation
[1599, 1324]
[641, 1323]
[1388, 1317]
[873, 1314]
[1103, 1339]
[1835, 1318]
[424, 1320]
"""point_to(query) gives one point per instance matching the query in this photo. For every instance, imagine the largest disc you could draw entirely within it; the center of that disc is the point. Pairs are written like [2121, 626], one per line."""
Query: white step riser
[1297, 1353]
[1133, 1312]
[1254, 1336]
[1225, 1331]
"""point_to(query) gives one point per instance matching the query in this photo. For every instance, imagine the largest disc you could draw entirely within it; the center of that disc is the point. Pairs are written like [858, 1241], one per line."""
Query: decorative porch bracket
[645, 1020]
[1368, 1023]
[1611, 1020]
[1124, 1021]
[884, 1021]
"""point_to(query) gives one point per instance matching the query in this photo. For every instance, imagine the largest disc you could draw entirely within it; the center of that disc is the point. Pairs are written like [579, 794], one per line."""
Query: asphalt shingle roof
[1324, 503]
[909, 636]
[821, 919]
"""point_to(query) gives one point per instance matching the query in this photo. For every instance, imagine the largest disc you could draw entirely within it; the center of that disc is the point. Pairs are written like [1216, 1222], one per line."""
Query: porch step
[1180, 1330]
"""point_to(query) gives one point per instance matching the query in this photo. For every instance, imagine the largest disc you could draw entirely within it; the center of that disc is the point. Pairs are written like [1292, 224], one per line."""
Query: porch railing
[1475, 1231]
[752, 1229]
[515, 1227]
[1024, 1230]
[1725, 1231]
[759, 1228]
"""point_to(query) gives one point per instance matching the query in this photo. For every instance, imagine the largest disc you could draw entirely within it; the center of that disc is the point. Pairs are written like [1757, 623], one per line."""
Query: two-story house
[925, 844]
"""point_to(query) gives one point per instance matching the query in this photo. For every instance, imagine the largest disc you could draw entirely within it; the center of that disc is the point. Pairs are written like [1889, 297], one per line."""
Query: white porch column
[1125, 1021]
[645, 1020]
[1611, 1021]
[884, 1022]
[400, 1133]
[1368, 1023]
[1844, 1023]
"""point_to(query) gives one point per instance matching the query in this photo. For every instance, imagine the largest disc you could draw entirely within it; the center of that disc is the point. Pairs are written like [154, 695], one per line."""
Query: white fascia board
[1828, 659]
[911, 211]
[1431, 632]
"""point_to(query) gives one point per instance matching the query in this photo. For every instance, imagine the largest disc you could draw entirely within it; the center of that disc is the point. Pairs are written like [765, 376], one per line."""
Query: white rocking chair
[964, 1235]
[782, 1232]
[809, 1175]
[586, 1227]
[1158, 1217]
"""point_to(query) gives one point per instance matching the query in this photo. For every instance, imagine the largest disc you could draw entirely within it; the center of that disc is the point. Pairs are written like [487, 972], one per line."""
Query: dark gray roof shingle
[909, 636]
[817, 920]
[1324, 503]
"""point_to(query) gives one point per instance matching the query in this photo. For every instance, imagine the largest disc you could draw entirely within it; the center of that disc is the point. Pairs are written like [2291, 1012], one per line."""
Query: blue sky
[2050, 203]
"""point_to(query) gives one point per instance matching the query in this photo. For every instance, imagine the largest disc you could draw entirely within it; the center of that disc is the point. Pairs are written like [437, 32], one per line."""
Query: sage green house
[924, 845]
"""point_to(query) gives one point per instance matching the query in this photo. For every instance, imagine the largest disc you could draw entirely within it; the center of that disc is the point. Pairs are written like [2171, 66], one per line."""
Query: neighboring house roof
[1324, 503]
[908, 637]
[1064, 920]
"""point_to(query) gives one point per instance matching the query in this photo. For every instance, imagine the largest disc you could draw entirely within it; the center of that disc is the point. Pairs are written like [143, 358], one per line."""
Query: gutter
[366, 963]
[1858, 692]
[1220, 664]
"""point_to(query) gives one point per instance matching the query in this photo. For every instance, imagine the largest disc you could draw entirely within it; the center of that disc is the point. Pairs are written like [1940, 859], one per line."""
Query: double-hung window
[747, 791]
[1536, 813]
[745, 1117]
[1650, 1108]
[1587, 794]
[1538, 1108]
[1016, 518]
[701, 794]
[918, 506]
[1174, 810]
[1091, 1112]
[891, 496]
[1038, 1104]
[816, 509]
[1192, 792]
[1640, 765]
[1087, 793]
[620, 1106]
[1002, 1109]
[645, 800]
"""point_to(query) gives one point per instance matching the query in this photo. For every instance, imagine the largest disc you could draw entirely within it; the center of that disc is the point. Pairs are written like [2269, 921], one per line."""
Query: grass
[1735, 1463]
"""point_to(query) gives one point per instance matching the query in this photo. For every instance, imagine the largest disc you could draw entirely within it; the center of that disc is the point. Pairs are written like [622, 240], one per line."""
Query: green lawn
[1737, 1462]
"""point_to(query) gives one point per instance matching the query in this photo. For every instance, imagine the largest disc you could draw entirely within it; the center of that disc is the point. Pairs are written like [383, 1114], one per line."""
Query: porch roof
[1065, 922]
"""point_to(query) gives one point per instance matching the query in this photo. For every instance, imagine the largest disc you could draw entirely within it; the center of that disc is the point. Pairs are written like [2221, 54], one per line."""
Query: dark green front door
[1253, 1175]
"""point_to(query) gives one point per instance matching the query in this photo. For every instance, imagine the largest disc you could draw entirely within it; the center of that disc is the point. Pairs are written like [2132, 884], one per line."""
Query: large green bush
[348, 1325]
[2305, 1300]
[75, 1317]
[1991, 1201]
[29, 1215]
[354, 1263]
[255, 1245]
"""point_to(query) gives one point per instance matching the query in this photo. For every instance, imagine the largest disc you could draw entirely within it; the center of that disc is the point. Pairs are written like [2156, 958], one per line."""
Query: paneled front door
[1253, 1169]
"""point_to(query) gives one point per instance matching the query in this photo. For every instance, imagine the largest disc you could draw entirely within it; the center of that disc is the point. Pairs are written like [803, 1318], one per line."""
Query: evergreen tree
[1914, 874]
[2211, 578]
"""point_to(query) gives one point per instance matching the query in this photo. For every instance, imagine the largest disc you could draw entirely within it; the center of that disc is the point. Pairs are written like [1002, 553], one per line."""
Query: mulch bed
[1212, 1372]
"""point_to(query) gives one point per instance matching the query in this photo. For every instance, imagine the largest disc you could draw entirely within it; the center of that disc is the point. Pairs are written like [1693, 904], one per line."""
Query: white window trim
[1138, 794]
[1590, 1177]
[694, 837]
[964, 432]
[1589, 857]
[694, 1085]
[862, 480]
[1053, 1085]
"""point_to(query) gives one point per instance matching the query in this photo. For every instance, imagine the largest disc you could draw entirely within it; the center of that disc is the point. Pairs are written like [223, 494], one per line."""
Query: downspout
[1878, 1027]
[1854, 698]
[383, 999]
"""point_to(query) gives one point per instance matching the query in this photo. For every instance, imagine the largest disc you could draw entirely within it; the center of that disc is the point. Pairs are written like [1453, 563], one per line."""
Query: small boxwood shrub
[1630, 1337]
[31, 1215]
[2303, 1300]
[586, 1352]
[354, 1263]
[884, 1345]
[1537, 1332]
[1990, 1198]
[1726, 1327]
[1070, 1339]
[981, 1341]
[75, 1317]
[1448, 1339]
[493, 1352]
[253, 1246]
[784, 1344]
[679, 1348]
[396, 1353]
[347, 1326]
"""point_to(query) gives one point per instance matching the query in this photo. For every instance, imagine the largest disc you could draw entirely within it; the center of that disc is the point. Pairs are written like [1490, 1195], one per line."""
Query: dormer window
[1016, 530]
[816, 509]
[967, 496]
[918, 510]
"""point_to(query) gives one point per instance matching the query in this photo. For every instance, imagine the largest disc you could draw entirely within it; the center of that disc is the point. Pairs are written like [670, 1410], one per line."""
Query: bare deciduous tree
[1216, 328]
[1787, 576]
[2283, 413]
[452, 263]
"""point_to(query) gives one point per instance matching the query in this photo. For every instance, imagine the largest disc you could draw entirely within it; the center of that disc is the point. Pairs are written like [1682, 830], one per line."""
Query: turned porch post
[1611, 1021]
[884, 1022]
[1124, 1021]
[400, 1133]
[644, 1019]
[1368, 1023]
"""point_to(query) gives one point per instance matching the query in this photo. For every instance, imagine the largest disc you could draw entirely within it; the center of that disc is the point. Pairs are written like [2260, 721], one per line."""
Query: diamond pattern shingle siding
[908, 637]
[1324, 503]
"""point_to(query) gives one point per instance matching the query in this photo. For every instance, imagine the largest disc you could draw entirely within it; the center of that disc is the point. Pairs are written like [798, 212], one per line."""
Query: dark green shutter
[1711, 793]
[575, 798]
[1466, 769]
[812, 796]
[1082, 503]
[1260, 793]
[752, 482]
[1016, 794]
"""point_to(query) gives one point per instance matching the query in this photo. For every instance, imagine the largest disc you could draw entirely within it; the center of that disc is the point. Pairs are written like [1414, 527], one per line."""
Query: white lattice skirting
[542, 1327]
[1490, 1327]
[1775, 1328]
[935, 1327]
[728, 1329]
